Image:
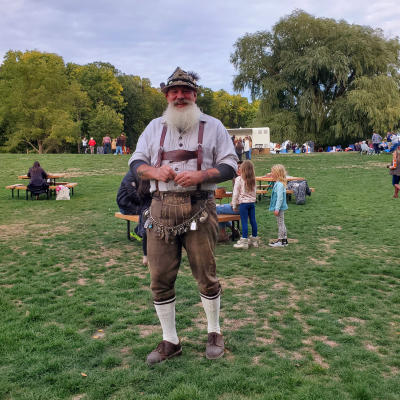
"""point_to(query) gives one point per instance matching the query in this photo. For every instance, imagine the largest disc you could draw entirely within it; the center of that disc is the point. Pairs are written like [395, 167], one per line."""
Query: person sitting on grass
[394, 170]
[38, 179]
[278, 203]
[244, 199]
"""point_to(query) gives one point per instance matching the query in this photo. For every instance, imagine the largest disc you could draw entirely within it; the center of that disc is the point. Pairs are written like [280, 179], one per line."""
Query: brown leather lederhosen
[165, 256]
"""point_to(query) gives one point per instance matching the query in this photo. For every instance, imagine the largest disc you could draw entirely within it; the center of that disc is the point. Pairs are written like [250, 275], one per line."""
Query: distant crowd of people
[376, 144]
[108, 146]
[288, 147]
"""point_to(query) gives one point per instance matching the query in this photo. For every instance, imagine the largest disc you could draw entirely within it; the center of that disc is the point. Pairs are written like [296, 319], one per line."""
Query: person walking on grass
[394, 170]
[184, 154]
[84, 145]
[278, 203]
[244, 199]
[107, 144]
[119, 143]
[376, 141]
[92, 143]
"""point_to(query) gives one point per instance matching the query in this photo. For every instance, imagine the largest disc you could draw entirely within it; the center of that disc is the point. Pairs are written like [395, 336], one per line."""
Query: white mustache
[183, 101]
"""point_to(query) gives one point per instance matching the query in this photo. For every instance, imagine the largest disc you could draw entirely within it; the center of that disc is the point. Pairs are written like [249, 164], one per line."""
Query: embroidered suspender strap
[161, 149]
[200, 149]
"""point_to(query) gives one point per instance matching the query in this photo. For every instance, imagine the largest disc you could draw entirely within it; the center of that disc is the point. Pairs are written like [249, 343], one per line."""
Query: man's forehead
[182, 87]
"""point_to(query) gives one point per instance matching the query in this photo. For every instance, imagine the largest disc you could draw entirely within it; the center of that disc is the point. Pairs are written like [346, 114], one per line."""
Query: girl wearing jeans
[278, 203]
[244, 199]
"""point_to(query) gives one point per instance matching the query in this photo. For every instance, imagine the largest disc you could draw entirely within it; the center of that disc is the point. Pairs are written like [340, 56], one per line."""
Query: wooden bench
[234, 218]
[52, 188]
[69, 185]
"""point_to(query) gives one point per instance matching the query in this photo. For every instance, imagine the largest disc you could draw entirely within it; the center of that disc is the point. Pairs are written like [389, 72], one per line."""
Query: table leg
[128, 229]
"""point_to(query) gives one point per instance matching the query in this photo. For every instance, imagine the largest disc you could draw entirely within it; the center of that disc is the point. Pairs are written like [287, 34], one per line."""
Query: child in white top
[244, 199]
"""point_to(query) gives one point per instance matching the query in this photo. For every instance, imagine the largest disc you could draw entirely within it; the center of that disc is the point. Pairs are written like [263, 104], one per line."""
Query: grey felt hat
[180, 78]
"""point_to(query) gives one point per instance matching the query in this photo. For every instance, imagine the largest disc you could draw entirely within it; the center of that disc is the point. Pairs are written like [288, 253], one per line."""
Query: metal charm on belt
[164, 231]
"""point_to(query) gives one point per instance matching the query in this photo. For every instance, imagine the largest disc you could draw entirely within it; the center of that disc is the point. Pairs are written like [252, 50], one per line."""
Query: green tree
[142, 104]
[205, 99]
[99, 80]
[38, 104]
[234, 111]
[105, 121]
[313, 73]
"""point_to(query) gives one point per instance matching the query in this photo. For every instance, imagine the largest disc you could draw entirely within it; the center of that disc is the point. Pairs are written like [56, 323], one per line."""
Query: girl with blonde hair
[394, 170]
[244, 199]
[278, 203]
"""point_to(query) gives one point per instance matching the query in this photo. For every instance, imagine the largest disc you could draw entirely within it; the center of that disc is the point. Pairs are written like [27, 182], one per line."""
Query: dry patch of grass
[331, 227]
[351, 324]
[320, 261]
[328, 243]
[10, 231]
[290, 355]
[78, 396]
[324, 339]
[370, 347]
[237, 282]
[147, 330]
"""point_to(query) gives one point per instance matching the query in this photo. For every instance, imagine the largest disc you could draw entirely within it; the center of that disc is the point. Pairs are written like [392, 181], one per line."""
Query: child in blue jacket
[278, 203]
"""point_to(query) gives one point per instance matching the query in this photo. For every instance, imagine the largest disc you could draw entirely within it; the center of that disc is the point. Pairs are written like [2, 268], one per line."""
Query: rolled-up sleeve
[143, 147]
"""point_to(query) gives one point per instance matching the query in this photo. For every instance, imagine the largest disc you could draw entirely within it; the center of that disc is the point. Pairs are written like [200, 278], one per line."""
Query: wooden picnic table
[50, 176]
[263, 189]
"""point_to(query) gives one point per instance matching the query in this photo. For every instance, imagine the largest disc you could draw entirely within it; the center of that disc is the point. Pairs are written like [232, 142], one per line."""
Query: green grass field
[319, 319]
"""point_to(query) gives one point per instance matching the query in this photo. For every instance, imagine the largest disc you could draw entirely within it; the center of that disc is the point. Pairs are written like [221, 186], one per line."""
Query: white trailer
[260, 137]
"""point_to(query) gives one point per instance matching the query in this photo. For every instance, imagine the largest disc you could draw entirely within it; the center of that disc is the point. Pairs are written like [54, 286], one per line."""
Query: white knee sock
[211, 308]
[166, 315]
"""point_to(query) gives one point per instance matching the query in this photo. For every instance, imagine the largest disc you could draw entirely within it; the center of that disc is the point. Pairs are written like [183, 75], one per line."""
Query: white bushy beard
[184, 118]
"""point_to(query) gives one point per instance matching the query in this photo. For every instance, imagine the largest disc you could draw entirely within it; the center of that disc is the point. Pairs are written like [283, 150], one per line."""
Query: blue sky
[150, 38]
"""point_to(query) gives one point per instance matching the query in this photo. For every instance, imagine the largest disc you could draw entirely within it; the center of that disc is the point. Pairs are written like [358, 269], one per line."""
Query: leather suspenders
[181, 155]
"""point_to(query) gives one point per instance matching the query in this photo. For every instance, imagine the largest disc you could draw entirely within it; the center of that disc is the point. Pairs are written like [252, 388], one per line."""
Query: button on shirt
[217, 149]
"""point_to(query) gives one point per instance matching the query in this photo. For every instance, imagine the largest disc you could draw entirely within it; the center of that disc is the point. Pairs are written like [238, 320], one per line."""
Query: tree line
[309, 79]
[48, 106]
[320, 79]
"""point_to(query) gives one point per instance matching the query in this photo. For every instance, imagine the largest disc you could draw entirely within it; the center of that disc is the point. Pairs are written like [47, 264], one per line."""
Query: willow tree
[320, 79]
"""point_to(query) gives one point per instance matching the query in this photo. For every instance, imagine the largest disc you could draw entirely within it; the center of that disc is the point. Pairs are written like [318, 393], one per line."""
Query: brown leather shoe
[215, 346]
[164, 351]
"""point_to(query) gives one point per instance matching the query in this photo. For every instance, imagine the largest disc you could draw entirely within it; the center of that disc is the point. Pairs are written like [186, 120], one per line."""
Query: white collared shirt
[217, 149]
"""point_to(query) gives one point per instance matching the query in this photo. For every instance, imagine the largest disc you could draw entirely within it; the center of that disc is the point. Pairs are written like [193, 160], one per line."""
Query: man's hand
[190, 178]
[164, 174]
[276, 213]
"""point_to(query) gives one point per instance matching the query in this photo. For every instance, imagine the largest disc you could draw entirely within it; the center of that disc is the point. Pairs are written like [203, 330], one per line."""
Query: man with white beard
[184, 153]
